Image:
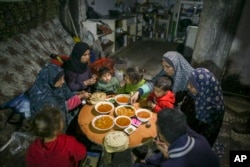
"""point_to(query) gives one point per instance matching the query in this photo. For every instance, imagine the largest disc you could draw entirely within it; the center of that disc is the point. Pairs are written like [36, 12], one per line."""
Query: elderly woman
[49, 89]
[78, 75]
[174, 65]
[206, 116]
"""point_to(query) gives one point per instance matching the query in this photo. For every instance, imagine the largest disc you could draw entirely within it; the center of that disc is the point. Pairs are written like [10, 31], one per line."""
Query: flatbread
[116, 141]
[97, 97]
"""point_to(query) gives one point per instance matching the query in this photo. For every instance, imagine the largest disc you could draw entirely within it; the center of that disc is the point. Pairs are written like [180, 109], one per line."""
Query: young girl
[106, 82]
[52, 148]
[133, 80]
[162, 95]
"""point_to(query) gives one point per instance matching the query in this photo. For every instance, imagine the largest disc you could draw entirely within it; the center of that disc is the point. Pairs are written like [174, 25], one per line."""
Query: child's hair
[135, 74]
[47, 122]
[164, 82]
[103, 70]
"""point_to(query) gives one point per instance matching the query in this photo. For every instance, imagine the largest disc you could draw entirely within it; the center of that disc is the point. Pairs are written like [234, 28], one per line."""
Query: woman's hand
[134, 98]
[84, 95]
[90, 81]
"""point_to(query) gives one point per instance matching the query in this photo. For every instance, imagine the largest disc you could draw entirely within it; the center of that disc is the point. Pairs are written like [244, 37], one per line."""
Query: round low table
[140, 136]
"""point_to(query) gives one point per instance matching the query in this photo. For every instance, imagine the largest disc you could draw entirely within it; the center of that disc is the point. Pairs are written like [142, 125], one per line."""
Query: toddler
[52, 148]
[107, 82]
[132, 80]
[162, 95]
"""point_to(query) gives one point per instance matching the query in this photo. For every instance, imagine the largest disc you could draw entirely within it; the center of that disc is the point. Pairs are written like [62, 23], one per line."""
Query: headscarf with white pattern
[209, 104]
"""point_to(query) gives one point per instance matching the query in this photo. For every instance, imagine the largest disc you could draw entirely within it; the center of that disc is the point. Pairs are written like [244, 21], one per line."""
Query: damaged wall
[239, 56]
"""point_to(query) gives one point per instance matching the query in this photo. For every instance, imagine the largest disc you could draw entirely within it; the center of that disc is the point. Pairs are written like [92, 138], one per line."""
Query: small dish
[104, 107]
[111, 100]
[122, 99]
[129, 130]
[122, 121]
[143, 114]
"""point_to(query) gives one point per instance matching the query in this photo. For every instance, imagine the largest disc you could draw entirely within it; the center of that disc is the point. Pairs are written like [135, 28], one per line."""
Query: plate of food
[122, 99]
[104, 107]
[97, 97]
[111, 100]
[127, 110]
[103, 122]
[130, 129]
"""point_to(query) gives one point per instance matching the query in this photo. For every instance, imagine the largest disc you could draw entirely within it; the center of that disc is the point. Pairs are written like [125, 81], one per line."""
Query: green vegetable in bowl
[112, 100]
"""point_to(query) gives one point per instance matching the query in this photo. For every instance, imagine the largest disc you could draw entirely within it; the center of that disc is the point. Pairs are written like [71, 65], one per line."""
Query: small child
[52, 148]
[132, 80]
[162, 95]
[106, 82]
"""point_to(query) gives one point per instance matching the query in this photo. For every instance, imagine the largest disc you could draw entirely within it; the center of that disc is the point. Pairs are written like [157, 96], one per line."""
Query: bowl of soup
[122, 121]
[122, 99]
[144, 115]
[126, 110]
[104, 107]
[103, 122]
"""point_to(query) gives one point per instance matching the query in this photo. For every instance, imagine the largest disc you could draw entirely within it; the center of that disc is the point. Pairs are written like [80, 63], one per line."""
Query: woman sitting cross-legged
[50, 89]
[78, 74]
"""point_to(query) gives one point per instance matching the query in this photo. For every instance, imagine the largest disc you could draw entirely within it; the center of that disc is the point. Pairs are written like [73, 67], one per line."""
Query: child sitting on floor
[162, 95]
[52, 147]
[106, 82]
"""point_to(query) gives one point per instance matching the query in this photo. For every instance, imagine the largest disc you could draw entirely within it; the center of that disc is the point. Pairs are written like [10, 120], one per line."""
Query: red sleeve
[150, 97]
[78, 151]
[31, 159]
[157, 108]
[73, 102]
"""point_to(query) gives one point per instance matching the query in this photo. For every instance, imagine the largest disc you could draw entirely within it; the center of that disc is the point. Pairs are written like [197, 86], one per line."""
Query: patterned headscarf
[43, 93]
[209, 104]
[74, 63]
[181, 67]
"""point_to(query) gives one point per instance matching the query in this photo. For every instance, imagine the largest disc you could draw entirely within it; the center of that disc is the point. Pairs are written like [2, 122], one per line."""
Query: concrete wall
[239, 55]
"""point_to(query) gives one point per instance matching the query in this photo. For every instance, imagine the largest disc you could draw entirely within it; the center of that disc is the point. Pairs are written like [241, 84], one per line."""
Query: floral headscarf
[209, 104]
[43, 93]
[182, 70]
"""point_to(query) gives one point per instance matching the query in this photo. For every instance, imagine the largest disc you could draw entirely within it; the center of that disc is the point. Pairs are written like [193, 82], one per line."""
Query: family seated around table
[196, 91]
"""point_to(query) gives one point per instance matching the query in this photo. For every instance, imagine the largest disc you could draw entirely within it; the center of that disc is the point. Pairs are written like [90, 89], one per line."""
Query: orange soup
[104, 108]
[123, 121]
[123, 99]
[143, 114]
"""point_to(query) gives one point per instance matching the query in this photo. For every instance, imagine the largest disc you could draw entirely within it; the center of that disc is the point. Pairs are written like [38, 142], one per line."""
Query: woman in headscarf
[50, 90]
[174, 65]
[207, 115]
[78, 75]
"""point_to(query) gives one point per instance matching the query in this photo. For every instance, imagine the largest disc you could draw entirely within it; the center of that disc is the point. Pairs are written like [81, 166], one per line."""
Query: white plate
[129, 130]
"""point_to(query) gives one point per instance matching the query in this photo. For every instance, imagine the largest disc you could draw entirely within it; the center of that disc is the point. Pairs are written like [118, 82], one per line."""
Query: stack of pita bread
[97, 97]
[116, 141]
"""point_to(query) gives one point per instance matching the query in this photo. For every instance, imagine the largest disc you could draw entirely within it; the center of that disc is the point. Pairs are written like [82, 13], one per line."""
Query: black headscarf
[74, 63]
